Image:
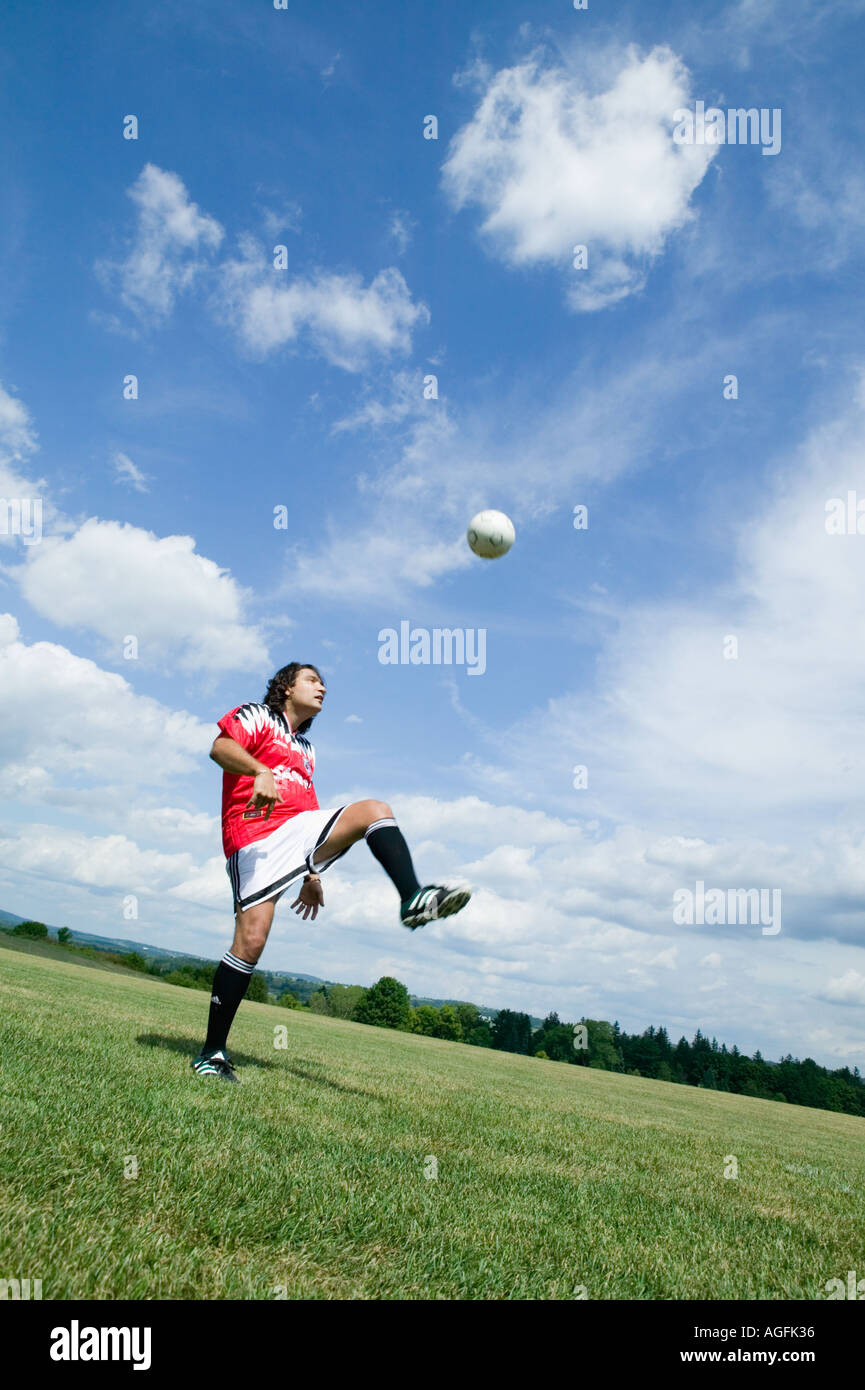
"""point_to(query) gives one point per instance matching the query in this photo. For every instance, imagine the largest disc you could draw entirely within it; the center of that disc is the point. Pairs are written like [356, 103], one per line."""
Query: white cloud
[128, 472]
[401, 230]
[22, 496]
[382, 560]
[17, 443]
[847, 989]
[17, 435]
[401, 402]
[69, 723]
[780, 21]
[446, 465]
[564, 918]
[169, 249]
[119, 581]
[278, 214]
[553, 166]
[173, 824]
[337, 315]
[97, 861]
[686, 731]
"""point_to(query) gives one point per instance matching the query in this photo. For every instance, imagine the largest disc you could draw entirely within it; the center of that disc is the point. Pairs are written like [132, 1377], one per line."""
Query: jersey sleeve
[245, 725]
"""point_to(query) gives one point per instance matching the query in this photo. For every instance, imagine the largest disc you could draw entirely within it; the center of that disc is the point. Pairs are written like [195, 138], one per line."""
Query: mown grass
[311, 1179]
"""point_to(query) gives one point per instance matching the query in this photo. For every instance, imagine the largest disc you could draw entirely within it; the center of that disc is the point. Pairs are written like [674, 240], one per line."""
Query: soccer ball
[490, 534]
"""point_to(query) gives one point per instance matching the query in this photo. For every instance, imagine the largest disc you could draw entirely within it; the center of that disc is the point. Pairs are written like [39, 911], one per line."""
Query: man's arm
[229, 755]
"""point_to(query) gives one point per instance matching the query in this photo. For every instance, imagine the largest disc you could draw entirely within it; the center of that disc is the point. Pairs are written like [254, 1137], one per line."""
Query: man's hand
[310, 898]
[264, 793]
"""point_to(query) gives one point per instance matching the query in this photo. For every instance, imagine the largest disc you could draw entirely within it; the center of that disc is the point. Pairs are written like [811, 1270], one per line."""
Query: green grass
[308, 1179]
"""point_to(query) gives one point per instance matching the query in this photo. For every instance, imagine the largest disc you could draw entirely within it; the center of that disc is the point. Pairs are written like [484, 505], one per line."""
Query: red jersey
[291, 757]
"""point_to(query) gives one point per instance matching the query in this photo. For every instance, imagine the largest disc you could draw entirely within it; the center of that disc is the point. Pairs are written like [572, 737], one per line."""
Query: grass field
[310, 1179]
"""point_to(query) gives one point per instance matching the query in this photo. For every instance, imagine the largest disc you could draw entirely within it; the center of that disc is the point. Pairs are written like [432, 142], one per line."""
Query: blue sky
[303, 387]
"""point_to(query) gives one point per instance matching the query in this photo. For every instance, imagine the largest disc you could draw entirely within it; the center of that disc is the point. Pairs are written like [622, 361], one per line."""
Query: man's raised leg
[374, 821]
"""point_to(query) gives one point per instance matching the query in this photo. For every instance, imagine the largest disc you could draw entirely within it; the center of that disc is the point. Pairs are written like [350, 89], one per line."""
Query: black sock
[387, 843]
[230, 983]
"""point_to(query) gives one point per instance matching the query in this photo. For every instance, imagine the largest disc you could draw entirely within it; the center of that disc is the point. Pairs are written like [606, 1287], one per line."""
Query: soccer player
[274, 834]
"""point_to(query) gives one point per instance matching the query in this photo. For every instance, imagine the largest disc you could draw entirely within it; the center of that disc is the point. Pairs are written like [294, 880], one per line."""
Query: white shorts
[267, 867]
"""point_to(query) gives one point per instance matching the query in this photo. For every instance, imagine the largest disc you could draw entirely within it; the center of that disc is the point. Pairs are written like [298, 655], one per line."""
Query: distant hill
[9, 919]
[277, 980]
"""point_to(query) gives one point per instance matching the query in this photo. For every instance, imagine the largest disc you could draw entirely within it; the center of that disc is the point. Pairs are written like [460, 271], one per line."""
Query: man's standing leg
[230, 983]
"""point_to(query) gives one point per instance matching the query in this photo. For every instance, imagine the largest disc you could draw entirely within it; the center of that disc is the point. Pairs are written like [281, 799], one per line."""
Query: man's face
[307, 693]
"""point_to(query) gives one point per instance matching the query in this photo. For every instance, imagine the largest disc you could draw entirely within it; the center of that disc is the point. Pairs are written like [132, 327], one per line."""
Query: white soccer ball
[490, 534]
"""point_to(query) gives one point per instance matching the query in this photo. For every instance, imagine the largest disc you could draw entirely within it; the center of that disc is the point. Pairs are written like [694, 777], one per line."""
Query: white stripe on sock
[379, 825]
[236, 963]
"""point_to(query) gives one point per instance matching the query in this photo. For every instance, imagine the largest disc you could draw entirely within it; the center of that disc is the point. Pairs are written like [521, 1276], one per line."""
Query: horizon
[273, 330]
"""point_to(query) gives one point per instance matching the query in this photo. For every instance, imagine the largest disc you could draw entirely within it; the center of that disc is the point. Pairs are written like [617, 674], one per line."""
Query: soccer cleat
[431, 903]
[214, 1064]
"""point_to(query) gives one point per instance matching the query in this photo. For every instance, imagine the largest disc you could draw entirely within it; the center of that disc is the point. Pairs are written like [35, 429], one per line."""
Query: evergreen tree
[468, 1016]
[512, 1032]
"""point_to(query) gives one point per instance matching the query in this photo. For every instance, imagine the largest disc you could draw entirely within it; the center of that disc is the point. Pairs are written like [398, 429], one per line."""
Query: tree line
[590, 1042]
[605, 1046]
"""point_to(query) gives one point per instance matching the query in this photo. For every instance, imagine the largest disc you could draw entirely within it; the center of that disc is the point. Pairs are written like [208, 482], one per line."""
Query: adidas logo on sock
[215, 999]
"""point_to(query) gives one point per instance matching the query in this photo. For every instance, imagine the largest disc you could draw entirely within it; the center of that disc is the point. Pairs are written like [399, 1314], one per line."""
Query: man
[275, 834]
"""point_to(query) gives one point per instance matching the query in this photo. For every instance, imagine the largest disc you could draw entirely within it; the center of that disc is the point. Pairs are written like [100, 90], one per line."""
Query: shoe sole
[454, 902]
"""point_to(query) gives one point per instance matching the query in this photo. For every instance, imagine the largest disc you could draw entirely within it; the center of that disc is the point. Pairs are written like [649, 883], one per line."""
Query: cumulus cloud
[170, 245]
[97, 861]
[344, 320]
[334, 314]
[173, 824]
[849, 988]
[121, 581]
[66, 721]
[552, 166]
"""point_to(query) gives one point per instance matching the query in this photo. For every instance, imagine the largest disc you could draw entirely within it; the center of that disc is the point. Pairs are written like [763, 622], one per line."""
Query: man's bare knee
[251, 935]
[251, 946]
[377, 810]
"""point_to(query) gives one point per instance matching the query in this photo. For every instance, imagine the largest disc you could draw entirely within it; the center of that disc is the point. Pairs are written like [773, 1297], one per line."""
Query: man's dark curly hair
[280, 685]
